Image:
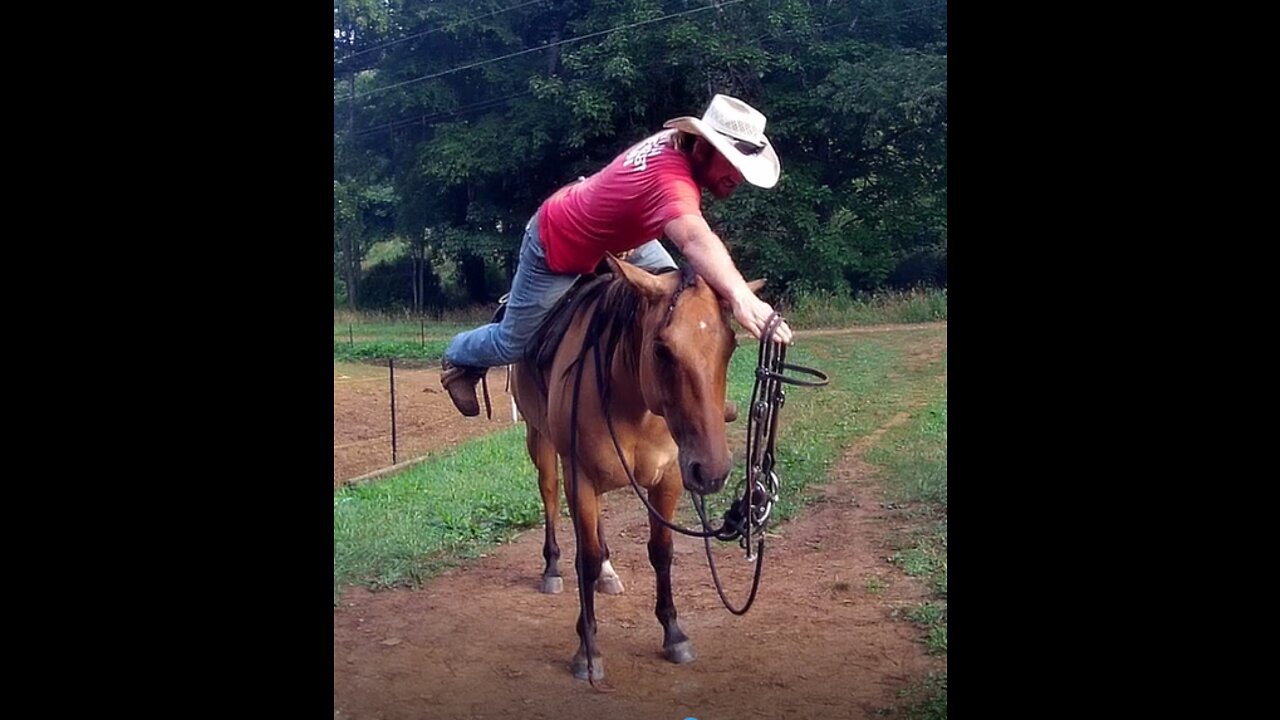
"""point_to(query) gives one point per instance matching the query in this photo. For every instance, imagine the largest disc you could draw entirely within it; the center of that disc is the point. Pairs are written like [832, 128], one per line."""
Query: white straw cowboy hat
[737, 130]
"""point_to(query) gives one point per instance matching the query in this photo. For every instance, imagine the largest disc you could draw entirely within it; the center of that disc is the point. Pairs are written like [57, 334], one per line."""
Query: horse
[664, 343]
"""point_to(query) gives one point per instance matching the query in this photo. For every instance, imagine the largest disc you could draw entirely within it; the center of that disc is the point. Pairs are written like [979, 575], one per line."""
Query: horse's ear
[649, 285]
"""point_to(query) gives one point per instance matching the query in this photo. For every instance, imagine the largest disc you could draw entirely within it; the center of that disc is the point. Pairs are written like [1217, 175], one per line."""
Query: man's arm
[710, 258]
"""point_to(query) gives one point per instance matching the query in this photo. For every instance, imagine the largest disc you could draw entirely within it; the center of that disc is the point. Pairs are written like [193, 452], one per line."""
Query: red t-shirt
[619, 208]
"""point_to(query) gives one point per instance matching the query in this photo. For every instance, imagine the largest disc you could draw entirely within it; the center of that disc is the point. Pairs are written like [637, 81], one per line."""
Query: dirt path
[825, 639]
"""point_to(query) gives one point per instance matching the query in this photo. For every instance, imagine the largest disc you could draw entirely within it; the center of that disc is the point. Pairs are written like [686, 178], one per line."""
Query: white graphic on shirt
[640, 154]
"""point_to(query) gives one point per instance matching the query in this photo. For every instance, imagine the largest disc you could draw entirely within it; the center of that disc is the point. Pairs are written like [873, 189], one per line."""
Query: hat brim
[761, 169]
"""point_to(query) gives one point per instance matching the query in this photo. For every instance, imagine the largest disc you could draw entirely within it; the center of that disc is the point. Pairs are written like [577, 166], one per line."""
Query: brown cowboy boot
[460, 382]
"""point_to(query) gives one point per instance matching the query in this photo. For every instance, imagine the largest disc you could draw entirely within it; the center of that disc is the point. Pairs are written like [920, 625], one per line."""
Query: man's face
[713, 172]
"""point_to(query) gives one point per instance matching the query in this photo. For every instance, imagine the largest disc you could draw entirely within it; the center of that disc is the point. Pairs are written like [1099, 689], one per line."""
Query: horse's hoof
[579, 667]
[551, 585]
[609, 585]
[680, 653]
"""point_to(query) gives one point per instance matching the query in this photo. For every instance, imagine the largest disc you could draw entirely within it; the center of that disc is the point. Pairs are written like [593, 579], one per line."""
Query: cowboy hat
[737, 130]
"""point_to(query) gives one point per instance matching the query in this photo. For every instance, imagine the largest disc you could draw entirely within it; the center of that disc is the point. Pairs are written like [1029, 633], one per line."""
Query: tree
[456, 108]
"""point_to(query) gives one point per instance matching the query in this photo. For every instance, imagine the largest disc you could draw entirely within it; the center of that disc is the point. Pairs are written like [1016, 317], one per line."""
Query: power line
[489, 103]
[907, 11]
[432, 117]
[493, 102]
[540, 47]
[445, 26]
[853, 23]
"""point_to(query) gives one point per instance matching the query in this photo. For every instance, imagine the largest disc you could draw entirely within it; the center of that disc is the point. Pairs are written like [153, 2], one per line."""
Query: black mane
[616, 314]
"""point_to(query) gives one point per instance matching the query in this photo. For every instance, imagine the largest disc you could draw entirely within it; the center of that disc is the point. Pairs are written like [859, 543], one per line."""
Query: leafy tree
[464, 116]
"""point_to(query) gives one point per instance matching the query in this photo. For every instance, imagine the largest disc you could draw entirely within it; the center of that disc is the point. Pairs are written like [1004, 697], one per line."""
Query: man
[651, 189]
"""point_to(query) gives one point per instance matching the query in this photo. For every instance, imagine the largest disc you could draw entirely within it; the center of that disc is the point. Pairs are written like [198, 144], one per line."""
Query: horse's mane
[615, 315]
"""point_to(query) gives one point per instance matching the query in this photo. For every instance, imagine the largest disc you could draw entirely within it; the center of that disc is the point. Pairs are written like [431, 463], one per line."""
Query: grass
[926, 700]
[402, 530]
[380, 350]
[405, 325]
[373, 337]
[828, 310]
[914, 459]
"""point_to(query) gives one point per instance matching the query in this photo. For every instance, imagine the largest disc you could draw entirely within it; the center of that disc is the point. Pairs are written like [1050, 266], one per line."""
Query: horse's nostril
[701, 482]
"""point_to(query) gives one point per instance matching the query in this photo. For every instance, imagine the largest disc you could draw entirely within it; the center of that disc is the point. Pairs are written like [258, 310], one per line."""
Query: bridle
[747, 519]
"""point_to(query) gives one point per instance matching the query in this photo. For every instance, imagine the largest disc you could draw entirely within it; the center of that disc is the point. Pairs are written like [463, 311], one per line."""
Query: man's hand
[752, 313]
[711, 260]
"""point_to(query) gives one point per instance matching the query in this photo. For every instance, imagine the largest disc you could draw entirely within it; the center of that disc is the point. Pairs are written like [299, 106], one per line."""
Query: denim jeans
[534, 292]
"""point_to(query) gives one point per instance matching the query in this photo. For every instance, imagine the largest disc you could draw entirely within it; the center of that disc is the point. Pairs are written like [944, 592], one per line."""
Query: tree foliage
[466, 115]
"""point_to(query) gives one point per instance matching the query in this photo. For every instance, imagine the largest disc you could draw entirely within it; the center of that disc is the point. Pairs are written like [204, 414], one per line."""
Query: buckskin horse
[664, 343]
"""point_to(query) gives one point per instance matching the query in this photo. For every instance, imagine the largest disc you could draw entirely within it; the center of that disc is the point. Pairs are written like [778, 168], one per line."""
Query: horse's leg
[543, 455]
[586, 508]
[609, 582]
[675, 644]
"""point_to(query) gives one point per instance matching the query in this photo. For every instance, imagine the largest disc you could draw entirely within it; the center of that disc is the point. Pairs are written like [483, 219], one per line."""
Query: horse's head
[685, 347]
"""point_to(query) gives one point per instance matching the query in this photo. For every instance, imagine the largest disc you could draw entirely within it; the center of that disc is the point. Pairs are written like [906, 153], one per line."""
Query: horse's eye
[663, 353]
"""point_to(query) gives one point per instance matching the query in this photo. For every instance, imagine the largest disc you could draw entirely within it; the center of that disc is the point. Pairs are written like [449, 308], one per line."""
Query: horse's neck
[626, 394]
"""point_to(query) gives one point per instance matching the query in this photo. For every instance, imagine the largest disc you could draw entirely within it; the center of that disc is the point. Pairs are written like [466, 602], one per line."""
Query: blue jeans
[534, 292]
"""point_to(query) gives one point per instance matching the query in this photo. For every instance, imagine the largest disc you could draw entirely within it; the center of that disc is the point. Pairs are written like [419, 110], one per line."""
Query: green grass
[916, 457]
[369, 337]
[933, 617]
[913, 457]
[828, 310]
[405, 325]
[408, 527]
[380, 350]
[403, 330]
[926, 700]
[408, 330]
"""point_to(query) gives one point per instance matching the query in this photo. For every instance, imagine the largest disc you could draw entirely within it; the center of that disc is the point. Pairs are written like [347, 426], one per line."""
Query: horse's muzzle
[704, 478]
